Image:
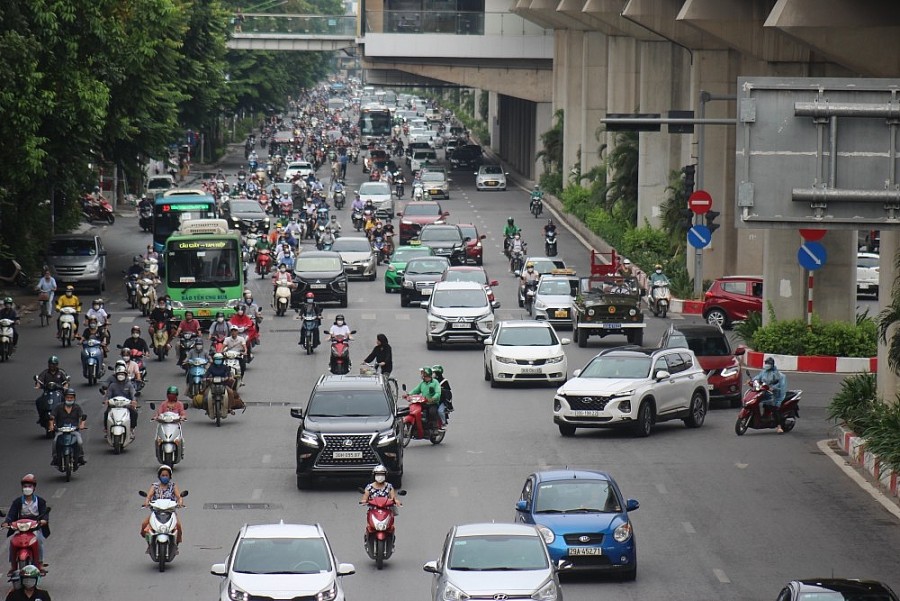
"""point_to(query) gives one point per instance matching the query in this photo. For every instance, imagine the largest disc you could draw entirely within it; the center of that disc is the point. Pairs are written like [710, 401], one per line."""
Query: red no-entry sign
[813, 235]
[700, 201]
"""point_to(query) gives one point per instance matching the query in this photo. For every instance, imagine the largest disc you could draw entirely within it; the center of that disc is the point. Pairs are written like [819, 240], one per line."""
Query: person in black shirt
[136, 342]
[69, 414]
[160, 314]
[28, 577]
[382, 355]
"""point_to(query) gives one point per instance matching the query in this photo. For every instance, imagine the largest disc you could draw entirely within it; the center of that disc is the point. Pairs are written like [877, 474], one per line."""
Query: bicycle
[367, 369]
[45, 313]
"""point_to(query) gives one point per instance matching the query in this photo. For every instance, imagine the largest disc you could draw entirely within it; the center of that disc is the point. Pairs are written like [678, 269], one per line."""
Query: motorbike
[756, 416]
[6, 339]
[24, 545]
[378, 246]
[307, 331]
[659, 297]
[357, 217]
[282, 296]
[169, 437]
[99, 210]
[339, 199]
[354, 155]
[185, 343]
[263, 262]
[418, 191]
[67, 325]
[415, 423]
[233, 360]
[379, 537]
[516, 260]
[529, 292]
[118, 424]
[11, 273]
[160, 340]
[146, 296]
[217, 399]
[92, 360]
[340, 354]
[67, 450]
[398, 185]
[145, 218]
[387, 250]
[131, 284]
[536, 207]
[50, 399]
[196, 374]
[161, 541]
[550, 243]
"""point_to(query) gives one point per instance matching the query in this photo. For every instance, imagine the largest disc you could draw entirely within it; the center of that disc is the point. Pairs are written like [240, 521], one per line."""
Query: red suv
[416, 214]
[716, 357]
[729, 299]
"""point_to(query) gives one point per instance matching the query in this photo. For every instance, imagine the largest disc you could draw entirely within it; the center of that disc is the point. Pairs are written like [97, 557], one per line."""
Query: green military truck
[608, 302]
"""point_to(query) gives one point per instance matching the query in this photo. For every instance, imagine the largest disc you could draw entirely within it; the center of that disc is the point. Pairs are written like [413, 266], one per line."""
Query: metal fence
[451, 22]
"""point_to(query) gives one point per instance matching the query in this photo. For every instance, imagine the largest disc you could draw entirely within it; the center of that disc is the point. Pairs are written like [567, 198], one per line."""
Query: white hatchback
[524, 351]
[302, 168]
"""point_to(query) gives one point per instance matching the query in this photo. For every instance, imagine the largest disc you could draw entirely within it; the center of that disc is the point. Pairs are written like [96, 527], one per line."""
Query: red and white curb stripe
[689, 307]
[855, 447]
[818, 364]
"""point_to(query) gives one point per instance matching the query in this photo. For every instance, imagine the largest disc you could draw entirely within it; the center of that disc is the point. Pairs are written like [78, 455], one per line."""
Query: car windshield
[281, 556]
[244, 206]
[73, 248]
[426, 266]
[318, 264]
[577, 496]
[852, 595]
[526, 337]
[491, 170]
[427, 208]
[497, 552]
[405, 255]
[468, 231]
[296, 166]
[459, 299]
[630, 368]
[466, 275]
[555, 287]
[440, 234]
[360, 245]
[159, 182]
[544, 265]
[867, 261]
[375, 189]
[348, 403]
[433, 176]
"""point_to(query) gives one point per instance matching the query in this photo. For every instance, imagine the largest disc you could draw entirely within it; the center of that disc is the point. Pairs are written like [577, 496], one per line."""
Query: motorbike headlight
[452, 593]
[729, 371]
[547, 534]
[236, 594]
[328, 594]
[548, 592]
[556, 359]
[622, 533]
[309, 439]
[387, 437]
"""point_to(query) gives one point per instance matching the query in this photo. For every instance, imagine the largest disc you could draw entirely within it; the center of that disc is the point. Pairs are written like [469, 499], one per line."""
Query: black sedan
[836, 589]
[419, 278]
[240, 214]
[322, 273]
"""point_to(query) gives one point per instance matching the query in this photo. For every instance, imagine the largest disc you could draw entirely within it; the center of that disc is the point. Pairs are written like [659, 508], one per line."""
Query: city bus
[204, 269]
[175, 206]
[374, 123]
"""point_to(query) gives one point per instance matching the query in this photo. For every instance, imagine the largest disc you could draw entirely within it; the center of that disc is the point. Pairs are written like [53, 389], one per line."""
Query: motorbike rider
[135, 342]
[326, 240]
[446, 404]
[131, 367]
[339, 328]
[430, 390]
[284, 255]
[335, 225]
[68, 300]
[517, 246]
[218, 369]
[98, 312]
[218, 328]
[137, 267]
[160, 314]
[626, 269]
[310, 307]
[196, 352]
[382, 356]
[163, 488]
[357, 204]
[171, 404]
[236, 342]
[254, 311]
[188, 324]
[28, 577]
[380, 488]
[120, 385]
[510, 229]
[93, 332]
[9, 312]
[28, 505]
[537, 193]
[771, 376]
[281, 276]
[549, 228]
[145, 203]
[658, 275]
[69, 413]
[242, 320]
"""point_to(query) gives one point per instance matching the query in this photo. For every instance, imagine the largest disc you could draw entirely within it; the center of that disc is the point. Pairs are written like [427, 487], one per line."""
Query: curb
[811, 363]
[687, 307]
[855, 446]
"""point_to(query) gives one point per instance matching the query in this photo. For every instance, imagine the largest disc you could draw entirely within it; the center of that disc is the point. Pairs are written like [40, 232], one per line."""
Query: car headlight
[435, 324]
[342, 285]
[452, 593]
[440, 222]
[405, 222]
[556, 359]
[623, 532]
[408, 284]
[92, 268]
[387, 437]
[625, 406]
[504, 360]
[391, 268]
[547, 534]
[729, 371]
[328, 594]
[309, 439]
[236, 594]
[591, 312]
[540, 304]
[548, 592]
[231, 304]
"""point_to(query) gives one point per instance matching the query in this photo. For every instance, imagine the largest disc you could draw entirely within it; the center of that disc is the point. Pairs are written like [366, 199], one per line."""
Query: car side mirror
[494, 283]
[565, 341]
[218, 569]
[488, 341]
[521, 505]
[740, 350]
[495, 304]
[576, 373]
[661, 374]
[631, 505]
[446, 213]
[399, 213]
[297, 412]
[102, 253]
[423, 305]
[482, 237]
[431, 567]
[346, 569]
[563, 565]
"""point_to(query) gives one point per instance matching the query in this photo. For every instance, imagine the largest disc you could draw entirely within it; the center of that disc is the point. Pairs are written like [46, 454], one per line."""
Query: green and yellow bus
[204, 271]
[175, 206]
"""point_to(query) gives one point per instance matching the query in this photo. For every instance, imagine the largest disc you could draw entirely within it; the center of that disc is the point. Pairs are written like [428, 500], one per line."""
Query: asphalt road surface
[721, 517]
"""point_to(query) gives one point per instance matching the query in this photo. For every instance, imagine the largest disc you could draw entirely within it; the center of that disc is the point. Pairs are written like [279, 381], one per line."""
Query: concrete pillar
[594, 92]
[834, 287]
[543, 120]
[622, 75]
[664, 85]
[569, 62]
[783, 283]
[888, 381]
[493, 121]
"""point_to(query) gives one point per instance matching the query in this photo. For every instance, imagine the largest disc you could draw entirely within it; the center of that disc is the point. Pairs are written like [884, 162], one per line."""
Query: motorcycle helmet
[437, 369]
[69, 392]
[163, 468]
[426, 371]
[247, 294]
[529, 265]
[379, 469]
[218, 359]
[29, 575]
[137, 260]
[510, 220]
[126, 354]
[70, 290]
[537, 187]
[8, 301]
[135, 331]
[338, 317]
[53, 360]
[29, 479]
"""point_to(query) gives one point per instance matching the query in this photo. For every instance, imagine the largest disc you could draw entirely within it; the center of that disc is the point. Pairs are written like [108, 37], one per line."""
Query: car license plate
[434, 192]
[347, 455]
[863, 286]
[710, 387]
[561, 313]
[586, 413]
[573, 551]
[531, 370]
[461, 326]
[611, 326]
[491, 183]
[203, 313]
[317, 286]
[426, 291]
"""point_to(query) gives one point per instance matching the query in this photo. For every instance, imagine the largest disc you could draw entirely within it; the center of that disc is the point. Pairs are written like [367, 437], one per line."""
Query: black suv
[467, 155]
[446, 241]
[351, 424]
[322, 273]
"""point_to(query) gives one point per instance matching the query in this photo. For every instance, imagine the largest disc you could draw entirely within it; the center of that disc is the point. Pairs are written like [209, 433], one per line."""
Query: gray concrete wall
[518, 120]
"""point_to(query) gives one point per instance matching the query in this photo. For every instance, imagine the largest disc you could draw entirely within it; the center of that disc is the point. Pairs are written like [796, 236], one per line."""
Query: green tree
[552, 140]
[623, 163]
[671, 212]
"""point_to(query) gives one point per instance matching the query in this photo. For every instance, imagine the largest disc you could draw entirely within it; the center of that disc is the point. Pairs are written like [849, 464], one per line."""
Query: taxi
[393, 274]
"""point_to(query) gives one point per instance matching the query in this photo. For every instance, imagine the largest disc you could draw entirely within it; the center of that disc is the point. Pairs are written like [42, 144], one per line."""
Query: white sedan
[490, 177]
[302, 168]
[524, 351]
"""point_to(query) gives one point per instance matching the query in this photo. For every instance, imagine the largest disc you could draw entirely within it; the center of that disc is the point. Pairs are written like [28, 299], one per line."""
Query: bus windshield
[168, 212]
[375, 122]
[213, 263]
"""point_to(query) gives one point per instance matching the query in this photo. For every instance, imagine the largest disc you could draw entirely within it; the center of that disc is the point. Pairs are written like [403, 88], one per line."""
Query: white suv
[458, 312]
[867, 273]
[633, 387]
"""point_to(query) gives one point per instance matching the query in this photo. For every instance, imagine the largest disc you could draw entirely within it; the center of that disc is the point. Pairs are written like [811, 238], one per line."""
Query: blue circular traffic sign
[699, 236]
[812, 255]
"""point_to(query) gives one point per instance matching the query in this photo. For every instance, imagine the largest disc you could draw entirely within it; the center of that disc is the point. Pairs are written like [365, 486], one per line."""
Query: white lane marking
[59, 493]
[454, 492]
[741, 466]
[257, 494]
[721, 576]
[402, 316]
[266, 458]
[661, 488]
[367, 316]
[688, 528]
[126, 319]
[864, 484]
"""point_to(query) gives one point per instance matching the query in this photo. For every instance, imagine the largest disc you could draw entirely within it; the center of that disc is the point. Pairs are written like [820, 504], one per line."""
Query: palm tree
[890, 316]
[623, 162]
[671, 211]
[552, 139]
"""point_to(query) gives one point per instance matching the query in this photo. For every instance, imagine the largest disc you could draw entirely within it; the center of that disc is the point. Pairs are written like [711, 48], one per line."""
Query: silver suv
[458, 312]
[633, 387]
[79, 260]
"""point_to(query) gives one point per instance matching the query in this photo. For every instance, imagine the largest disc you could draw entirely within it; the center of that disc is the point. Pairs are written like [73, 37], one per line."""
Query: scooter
[161, 340]
[415, 424]
[185, 343]
[339, 199]
[146, 296]
[340, 354]
[24, 545]
[282, 296]
[357, 217]
[118, 424]
[161, 541]
[6, 339]
[67, 450]
[398, 184]
[308, 332]
[659, 297]
[379, 537]
[131, 289]
[550, 243]
[99, 210]
[233, 360]
[217, 399]
[418, 192]
[196, 374]
[67, 325]
[530, 289]
[263, 262]
[49, 400]
[92, 360]
[756, 416]
[169, 437]
[537, 206]
[145, 218]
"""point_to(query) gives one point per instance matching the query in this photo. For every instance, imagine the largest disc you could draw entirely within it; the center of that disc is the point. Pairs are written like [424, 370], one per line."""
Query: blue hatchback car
[583, 519]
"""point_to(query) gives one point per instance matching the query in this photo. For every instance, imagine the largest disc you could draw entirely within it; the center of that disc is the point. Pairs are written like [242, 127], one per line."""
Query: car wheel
[698, 410]
[644, 423]
[373, 276]
[487, 374]
[636, 337]
[566, 430]
[494, 382]
[581, 336]
[717, 317]
[304, 482]
[479, 261]
[431, 345]
[404, 300]
[343, 302]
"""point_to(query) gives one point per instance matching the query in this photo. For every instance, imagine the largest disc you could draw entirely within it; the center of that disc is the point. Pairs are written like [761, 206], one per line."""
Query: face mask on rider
[659, 271]
[220, 319]
[164, 479]
[380, 478]
[135, 335]
[27, 490]
[70, 402]
[171, 397]
[29, 583]
[339, 322]
[120, 377]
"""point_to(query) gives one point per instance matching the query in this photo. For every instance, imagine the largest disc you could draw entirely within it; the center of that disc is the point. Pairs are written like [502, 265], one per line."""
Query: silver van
[79, 260]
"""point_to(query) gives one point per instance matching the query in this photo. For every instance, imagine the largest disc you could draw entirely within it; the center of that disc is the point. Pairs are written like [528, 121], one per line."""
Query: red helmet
[310, 295]
[29, 479]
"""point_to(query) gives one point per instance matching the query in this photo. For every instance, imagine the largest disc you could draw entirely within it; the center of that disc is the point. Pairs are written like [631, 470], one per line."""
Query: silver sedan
[490, 177]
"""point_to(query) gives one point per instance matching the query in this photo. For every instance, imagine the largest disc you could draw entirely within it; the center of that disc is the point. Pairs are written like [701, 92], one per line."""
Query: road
[721, 517]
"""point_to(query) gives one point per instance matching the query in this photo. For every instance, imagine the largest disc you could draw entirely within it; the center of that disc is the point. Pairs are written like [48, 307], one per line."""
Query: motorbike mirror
[184, 493]
[37, 378]
[431, 567]
[153, 406]
[142, 493]
[361, 490]
[403, 387]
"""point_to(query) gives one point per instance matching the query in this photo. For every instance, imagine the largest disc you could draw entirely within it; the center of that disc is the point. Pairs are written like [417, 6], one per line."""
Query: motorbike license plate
[203, 313]
[461, 326]
[317, 286]
[561, 313]
[575, 551]
[585, 413]
[347, 455]
[531, 370]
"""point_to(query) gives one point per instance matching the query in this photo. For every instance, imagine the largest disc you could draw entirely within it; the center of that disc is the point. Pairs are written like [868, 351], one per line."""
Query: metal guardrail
[451, 22]
[299, 25]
